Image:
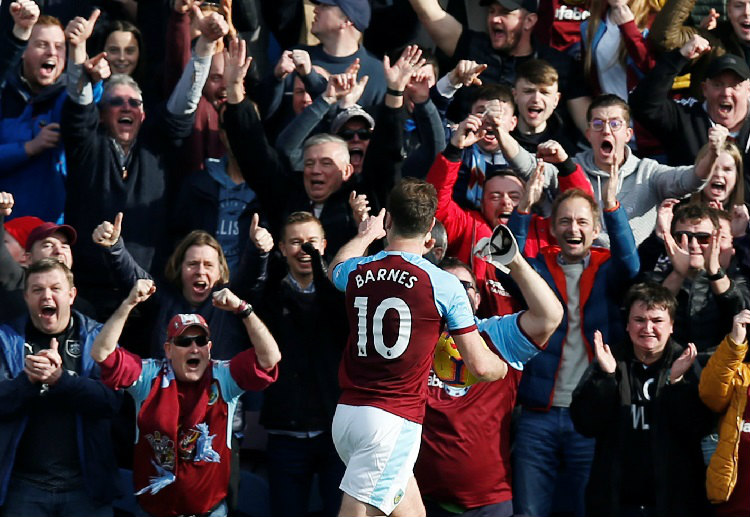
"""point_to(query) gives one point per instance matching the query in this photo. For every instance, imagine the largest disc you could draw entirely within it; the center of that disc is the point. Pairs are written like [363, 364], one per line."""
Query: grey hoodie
[644, 184]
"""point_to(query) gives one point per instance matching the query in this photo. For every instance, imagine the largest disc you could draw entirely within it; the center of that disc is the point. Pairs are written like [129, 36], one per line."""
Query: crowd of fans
[177, 175]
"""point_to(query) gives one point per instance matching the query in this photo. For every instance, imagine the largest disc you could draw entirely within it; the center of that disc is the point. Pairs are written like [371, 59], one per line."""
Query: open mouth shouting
[607, 150]
[48, 70]
[718, 188]
[356, 156]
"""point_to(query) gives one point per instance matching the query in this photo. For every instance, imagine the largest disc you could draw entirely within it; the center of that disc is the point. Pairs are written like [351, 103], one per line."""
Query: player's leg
[411, 505]
[379, 449]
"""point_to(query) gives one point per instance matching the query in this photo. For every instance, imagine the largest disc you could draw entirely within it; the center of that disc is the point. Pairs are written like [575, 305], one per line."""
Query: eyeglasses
[468, 285]
[186, 341]
[615, 124]
[116, 102]
[348, 134]
[701, 237]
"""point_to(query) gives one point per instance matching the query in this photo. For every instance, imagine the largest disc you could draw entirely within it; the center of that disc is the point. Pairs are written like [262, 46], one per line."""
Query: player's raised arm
[370, 230]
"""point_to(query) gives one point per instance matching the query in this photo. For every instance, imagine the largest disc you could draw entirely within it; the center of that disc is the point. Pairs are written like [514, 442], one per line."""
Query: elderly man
[683, 128]
[49, 384]
[640, 402]
[185, 404]
[116, 161]
[321, 188]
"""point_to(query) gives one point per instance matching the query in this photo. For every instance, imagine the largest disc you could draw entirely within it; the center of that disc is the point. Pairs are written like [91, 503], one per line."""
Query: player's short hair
[44, 266]
[412, 204]
[694, 212]
[299, 218]
[653, 295]
[596, 212]
[606, 101]
[173, 269]
[537, 71]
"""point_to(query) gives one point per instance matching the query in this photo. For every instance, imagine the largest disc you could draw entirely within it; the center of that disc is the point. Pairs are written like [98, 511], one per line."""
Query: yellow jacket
[723, 388]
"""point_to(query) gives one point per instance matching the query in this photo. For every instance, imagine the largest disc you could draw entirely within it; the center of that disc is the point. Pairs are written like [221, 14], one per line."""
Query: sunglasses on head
[186, 341]
[701, 237]
[117, 101]
[468, 285]
[348, 134]
[615, 124]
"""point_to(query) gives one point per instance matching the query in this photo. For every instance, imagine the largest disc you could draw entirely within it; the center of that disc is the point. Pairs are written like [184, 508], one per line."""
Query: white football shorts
[379, 450]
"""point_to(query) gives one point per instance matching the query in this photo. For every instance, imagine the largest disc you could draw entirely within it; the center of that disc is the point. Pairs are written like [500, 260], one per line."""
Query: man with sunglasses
[185, 403]
[117, 161]
[703, 276]
[644, 183]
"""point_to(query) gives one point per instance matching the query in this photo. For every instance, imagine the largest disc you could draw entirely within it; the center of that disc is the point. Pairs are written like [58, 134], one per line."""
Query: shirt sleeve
[342, 270]
[509, 340]
[246, 373]
[121, 369]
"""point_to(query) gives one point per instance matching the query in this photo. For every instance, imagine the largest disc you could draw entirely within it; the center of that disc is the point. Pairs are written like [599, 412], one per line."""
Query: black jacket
[97, 190]
[280, 190]
[682, 129]
[311, 330]
[601, 409]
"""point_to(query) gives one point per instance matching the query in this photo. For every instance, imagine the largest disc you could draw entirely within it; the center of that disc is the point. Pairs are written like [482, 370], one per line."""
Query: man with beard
[644, 183]
[507, 43]
[502, 192]
[57, 450]
[588, 281]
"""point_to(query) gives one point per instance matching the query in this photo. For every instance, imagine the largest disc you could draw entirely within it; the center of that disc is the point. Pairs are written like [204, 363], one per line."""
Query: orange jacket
[723, 388]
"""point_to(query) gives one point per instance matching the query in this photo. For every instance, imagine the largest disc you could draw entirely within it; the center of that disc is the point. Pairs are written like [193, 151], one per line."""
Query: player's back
[396, 303]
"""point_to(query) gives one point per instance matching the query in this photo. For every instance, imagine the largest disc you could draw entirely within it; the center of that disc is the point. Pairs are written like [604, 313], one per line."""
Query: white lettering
[393, 275]
[360, 282]
[638, 415]
[381, 275]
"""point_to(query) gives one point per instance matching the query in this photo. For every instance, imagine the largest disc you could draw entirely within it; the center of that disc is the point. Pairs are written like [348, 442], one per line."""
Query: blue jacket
[603, 282]
[93, 403]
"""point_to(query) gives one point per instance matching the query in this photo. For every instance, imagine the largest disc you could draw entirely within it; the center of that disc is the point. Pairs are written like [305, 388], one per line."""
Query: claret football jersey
[397, 304]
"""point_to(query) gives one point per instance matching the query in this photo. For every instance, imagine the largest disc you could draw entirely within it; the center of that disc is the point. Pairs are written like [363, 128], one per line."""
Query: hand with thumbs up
[107, 234]
[79, 29]
[212, 27]
[259, 236]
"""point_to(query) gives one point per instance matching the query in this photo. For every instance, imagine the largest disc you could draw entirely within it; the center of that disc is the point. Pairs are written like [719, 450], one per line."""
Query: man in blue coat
[551, 461]
[56, 455]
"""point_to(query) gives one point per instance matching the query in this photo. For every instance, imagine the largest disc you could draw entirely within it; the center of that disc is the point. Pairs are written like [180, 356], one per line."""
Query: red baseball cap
[181, 322]
[21, 227]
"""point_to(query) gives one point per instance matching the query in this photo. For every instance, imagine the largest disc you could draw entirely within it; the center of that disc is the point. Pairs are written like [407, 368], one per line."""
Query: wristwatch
[244, 310]
[717, 276]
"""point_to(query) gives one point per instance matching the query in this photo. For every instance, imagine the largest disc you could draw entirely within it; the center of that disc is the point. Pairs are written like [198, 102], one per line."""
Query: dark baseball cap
[358, 11]
[728, 62]
[512, 5]
[44, 230]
